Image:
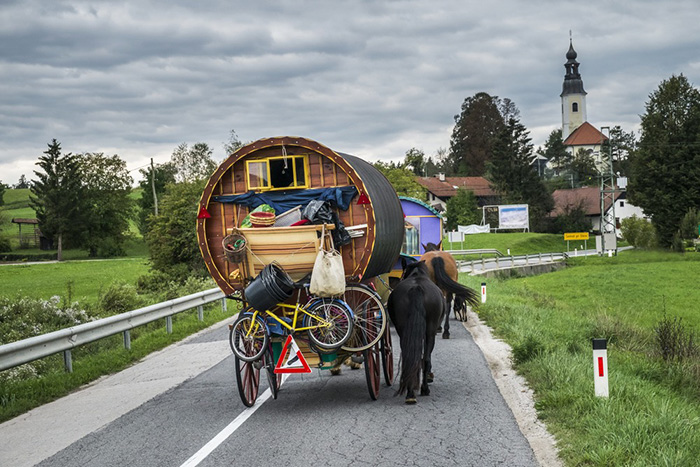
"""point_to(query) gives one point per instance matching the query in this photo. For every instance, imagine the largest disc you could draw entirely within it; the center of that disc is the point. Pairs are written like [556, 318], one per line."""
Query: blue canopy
[284, 200]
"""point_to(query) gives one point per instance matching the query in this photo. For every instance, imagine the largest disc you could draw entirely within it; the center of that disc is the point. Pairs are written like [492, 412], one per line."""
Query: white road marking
[223, 435]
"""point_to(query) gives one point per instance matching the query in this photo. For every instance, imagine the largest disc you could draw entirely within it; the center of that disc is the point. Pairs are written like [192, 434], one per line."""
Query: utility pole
[153, 187]
[607, 197]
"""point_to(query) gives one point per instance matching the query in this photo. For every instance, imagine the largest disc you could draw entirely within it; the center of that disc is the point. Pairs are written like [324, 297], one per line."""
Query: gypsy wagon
[287, 175]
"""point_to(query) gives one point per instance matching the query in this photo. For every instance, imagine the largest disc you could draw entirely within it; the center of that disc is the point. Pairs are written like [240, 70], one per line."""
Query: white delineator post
[600, 367]
[483, 292]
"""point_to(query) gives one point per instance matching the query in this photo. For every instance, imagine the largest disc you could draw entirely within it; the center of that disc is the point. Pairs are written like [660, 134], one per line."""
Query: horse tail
[412, 340]
[462, 293]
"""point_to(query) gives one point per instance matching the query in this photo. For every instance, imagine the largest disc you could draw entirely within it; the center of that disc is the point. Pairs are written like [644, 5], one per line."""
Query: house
[588, 198]
[441, 188]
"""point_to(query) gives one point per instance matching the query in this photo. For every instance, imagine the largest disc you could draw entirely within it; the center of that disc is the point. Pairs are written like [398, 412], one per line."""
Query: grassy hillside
[643, 303]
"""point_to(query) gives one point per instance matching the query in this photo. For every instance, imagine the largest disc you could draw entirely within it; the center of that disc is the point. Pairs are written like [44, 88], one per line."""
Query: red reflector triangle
[363, 199]
[203, 214]
[295, 363]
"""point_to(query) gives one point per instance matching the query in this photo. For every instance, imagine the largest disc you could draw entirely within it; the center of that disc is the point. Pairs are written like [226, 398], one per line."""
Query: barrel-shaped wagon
[257, 210]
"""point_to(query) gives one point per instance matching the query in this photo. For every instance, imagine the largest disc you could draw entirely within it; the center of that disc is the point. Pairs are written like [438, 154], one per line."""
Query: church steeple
[573, 96]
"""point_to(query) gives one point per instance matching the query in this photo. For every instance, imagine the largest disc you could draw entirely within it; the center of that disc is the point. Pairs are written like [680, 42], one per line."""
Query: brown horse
[443, 270]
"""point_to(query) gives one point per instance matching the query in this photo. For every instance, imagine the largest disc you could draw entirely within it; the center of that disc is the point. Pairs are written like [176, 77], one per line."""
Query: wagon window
[278, 173]
[258, 175]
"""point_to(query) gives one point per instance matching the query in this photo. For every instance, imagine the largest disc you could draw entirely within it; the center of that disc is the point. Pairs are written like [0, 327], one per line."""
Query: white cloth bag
[328, 274]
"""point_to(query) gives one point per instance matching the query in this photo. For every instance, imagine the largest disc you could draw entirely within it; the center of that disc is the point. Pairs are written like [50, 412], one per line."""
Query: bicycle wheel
[273, 380]
[248, 338]
[370, 317]
[337, 314]
[248, 380]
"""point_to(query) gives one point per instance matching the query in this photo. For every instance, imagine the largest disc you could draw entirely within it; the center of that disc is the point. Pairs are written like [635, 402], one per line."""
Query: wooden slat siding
[224, 220]
[328, 174]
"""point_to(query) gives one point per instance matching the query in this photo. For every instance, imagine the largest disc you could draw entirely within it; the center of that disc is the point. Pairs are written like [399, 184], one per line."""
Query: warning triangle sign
[295, 363]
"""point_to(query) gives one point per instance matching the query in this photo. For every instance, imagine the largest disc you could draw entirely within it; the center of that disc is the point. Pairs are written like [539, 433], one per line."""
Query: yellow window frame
[268, 178]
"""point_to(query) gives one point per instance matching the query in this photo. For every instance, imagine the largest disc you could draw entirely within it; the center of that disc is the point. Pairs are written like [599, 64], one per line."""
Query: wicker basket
[234, 246]
[262, 219]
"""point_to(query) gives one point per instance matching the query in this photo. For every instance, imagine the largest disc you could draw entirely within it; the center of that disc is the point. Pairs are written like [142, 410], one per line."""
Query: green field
[86, 279]
[652, 416]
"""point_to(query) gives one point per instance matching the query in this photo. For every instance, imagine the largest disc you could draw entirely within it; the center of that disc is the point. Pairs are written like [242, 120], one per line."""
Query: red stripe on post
[600, 366]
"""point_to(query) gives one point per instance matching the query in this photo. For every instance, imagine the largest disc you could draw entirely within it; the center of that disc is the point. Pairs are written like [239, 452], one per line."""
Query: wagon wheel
[248, 380]
[387, 357]
[273, 380]
[370, 317]
[373, 370]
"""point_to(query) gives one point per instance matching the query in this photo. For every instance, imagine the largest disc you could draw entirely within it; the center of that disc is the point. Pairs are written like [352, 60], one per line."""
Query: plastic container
[272, 286]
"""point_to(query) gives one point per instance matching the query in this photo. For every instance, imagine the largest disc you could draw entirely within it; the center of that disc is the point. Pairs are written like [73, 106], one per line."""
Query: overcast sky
[369, 78]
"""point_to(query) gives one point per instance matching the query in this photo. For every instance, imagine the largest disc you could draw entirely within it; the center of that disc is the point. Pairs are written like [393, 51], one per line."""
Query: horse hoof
[429, 378]
[355, 366]
[425, 392]
[438, 329]
[445, 335]
[411, 400]
[335, 371]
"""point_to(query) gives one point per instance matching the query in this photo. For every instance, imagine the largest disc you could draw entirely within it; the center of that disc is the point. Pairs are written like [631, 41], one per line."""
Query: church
[578, 134]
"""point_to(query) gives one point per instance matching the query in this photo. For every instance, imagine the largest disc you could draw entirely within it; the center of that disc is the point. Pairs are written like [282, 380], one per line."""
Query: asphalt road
[318, 419]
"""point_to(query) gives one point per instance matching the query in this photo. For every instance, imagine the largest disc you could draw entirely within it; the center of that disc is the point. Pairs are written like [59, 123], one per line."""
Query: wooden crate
[293, 248]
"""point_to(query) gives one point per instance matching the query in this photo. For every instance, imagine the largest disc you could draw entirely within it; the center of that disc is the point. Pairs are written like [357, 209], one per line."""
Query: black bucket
[272, 286]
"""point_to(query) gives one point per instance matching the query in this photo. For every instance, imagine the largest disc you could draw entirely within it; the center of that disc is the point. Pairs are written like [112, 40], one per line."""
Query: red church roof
[585, 135]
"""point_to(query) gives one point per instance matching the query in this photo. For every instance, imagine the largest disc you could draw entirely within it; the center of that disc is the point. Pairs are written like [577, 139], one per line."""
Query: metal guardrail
[481, 251]
[511, 261]
[63, 340]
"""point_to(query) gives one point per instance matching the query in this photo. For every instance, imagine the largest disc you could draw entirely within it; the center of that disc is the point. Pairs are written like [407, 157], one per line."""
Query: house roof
[587, 197]
[585, 135]
[447, 189]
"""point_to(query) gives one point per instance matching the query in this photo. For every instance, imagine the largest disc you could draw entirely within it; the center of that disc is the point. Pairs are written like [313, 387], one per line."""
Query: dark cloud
[373, 78]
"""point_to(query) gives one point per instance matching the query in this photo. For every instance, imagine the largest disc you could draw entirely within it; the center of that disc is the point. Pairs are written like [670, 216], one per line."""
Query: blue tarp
[282, 201]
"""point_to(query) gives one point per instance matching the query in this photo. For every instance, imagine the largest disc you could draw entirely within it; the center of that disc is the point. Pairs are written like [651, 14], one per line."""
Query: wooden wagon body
[364, 200]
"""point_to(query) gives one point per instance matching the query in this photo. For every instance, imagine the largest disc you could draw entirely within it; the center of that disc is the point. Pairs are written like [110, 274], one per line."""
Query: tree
[556, 153]
[415, 162]
[689, 224]
[471, 144]
[665, 169]
[2, 193]
[57, 196]
[583, 169]
[107, 208]
[622, 144]
[513, 176]
[194, 163]
[172, 238]
[233, 144]
[22, 183]
[162, 174]
[403, 180]
[462, 209]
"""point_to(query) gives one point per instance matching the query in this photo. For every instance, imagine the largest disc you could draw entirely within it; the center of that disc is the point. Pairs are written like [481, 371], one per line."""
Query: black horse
[415, 306]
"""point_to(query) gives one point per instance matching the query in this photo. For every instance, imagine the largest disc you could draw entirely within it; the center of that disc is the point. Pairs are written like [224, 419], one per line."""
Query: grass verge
[100, 358]
[652, 416]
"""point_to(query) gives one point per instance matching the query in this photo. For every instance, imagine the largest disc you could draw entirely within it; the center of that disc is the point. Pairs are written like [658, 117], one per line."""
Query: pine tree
[513, 176]
[57, 196]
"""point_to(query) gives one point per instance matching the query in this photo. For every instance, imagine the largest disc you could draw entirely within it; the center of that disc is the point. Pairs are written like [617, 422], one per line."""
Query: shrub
[119, 298]
[675, 342]
[27, 317]
[5, 244]
[638, 232]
